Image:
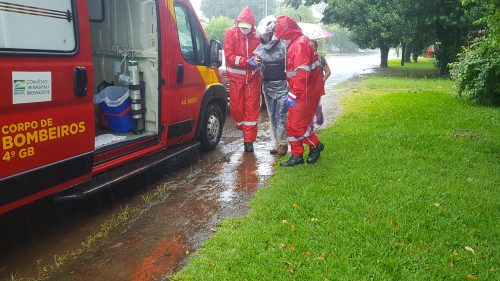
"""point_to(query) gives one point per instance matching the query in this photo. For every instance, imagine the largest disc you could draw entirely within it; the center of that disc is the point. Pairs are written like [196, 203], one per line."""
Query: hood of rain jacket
[287, 28]
[246, 15]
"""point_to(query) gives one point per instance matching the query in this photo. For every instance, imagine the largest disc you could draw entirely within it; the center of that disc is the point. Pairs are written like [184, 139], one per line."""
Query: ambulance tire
[211, 128]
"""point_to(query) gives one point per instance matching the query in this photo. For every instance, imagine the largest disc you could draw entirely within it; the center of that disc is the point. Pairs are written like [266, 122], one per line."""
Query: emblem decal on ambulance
[31, 87]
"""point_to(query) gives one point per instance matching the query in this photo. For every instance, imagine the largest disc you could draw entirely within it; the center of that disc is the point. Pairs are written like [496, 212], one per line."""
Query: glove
[251, 62]
[291, 102]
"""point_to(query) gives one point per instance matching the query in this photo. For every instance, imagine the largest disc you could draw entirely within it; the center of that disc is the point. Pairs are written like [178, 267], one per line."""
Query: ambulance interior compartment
[129, 25]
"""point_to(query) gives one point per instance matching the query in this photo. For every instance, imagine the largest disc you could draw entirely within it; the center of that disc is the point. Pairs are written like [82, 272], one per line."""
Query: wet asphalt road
[203, 190]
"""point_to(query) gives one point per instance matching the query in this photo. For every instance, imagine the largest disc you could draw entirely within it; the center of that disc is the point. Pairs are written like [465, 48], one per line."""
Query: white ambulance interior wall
[132, 25]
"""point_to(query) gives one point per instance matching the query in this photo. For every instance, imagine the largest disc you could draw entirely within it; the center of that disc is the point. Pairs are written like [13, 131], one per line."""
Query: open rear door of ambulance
[46, 109]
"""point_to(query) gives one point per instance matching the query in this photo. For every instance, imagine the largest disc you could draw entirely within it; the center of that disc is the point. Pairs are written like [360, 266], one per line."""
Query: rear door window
[38, 26]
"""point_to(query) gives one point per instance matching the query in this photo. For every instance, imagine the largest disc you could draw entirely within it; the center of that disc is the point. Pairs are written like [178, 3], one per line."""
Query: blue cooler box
[114, 103]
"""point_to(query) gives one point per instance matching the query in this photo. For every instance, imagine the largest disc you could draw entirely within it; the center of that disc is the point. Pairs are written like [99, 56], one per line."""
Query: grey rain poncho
[274, 86]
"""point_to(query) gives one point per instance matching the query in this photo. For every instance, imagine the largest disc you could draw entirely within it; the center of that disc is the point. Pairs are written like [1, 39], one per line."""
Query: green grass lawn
[406, 189]
[422, 64]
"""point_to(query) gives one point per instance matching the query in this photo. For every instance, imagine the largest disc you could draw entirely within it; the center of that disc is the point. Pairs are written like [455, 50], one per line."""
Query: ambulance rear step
[119, 174]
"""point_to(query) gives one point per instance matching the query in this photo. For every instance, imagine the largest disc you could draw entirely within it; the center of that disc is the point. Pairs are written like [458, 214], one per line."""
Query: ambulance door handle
[80, 81]
[180, 73]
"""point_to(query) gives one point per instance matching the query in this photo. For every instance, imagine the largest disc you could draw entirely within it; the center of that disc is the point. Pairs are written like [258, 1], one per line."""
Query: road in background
[346, 66]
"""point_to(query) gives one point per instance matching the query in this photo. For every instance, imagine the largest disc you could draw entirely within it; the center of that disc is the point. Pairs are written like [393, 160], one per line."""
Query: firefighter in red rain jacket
[244, 78]
[304, 76]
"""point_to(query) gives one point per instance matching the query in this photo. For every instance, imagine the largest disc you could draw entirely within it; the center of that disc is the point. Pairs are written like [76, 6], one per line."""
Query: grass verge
[406, 189]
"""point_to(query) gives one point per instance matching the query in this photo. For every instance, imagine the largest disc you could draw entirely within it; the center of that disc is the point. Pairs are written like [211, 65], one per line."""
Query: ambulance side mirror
[215, 54]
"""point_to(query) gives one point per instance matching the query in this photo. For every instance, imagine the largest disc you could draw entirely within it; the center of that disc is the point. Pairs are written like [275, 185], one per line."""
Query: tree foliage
[297, 3]
[413, 24]
[455, 22]
[340, 40]
[374, 23]
[231, 9]
[216, 27]
[300, 14]
[415, 33]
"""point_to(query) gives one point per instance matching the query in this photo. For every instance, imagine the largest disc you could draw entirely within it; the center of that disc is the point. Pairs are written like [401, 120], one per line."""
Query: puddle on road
[161, 239]
[164, 258]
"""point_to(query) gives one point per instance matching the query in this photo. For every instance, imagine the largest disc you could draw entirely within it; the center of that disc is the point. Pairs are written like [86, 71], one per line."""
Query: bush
[477, 72]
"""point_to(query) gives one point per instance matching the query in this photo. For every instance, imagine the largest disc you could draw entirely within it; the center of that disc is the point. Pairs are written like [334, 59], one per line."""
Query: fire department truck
[62, 61]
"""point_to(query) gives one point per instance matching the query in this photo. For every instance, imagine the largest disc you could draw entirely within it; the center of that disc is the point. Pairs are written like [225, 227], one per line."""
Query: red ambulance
[93, 91]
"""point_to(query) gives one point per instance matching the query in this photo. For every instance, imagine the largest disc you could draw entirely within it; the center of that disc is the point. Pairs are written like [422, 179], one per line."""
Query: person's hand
[291, 102]
[251, 62]
[257, 60]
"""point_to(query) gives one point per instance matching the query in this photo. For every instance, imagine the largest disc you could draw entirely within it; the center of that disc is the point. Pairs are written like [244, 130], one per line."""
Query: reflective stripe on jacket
[304, 67]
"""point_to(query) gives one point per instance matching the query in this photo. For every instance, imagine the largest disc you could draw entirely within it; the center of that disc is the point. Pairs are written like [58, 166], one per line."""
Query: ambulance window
[38, 26]
[192, 41]
[184, 31]
[201, 43]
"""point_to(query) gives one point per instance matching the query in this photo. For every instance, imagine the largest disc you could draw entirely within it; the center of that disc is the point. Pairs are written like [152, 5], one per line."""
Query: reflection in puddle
[227, 195]
[246, 173]
[242, 175]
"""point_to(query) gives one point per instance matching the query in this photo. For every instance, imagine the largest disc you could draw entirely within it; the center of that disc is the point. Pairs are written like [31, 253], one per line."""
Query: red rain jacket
[238, 48]
[304, 72]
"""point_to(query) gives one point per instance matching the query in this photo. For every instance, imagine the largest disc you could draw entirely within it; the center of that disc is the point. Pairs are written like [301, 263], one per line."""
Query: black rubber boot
[282, 149]
[314, 153]
[294, 160]
[248, 146]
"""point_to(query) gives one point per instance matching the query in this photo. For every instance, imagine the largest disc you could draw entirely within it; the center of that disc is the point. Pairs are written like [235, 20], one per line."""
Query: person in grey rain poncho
[271, 53]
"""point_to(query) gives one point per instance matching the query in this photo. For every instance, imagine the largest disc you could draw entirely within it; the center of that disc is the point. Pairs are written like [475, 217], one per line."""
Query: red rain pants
[245, 107]
[297, 125]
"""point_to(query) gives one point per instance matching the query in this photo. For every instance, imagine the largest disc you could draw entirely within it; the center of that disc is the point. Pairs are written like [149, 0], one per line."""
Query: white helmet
[266, 26]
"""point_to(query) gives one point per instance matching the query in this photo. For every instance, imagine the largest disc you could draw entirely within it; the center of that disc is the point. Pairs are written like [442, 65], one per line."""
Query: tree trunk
[384, 53]
[407, 53]
[403, 50]
[443, 66]
[443, 58]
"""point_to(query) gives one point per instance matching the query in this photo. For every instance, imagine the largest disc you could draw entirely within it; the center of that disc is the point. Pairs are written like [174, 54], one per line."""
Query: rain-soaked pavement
[203, 190]
[156, 242]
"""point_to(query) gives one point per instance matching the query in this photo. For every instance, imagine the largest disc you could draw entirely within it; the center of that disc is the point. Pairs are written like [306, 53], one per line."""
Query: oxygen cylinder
[136, 109]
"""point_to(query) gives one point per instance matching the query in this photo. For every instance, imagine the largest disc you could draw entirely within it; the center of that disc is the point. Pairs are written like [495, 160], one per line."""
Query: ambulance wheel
[211, 128]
